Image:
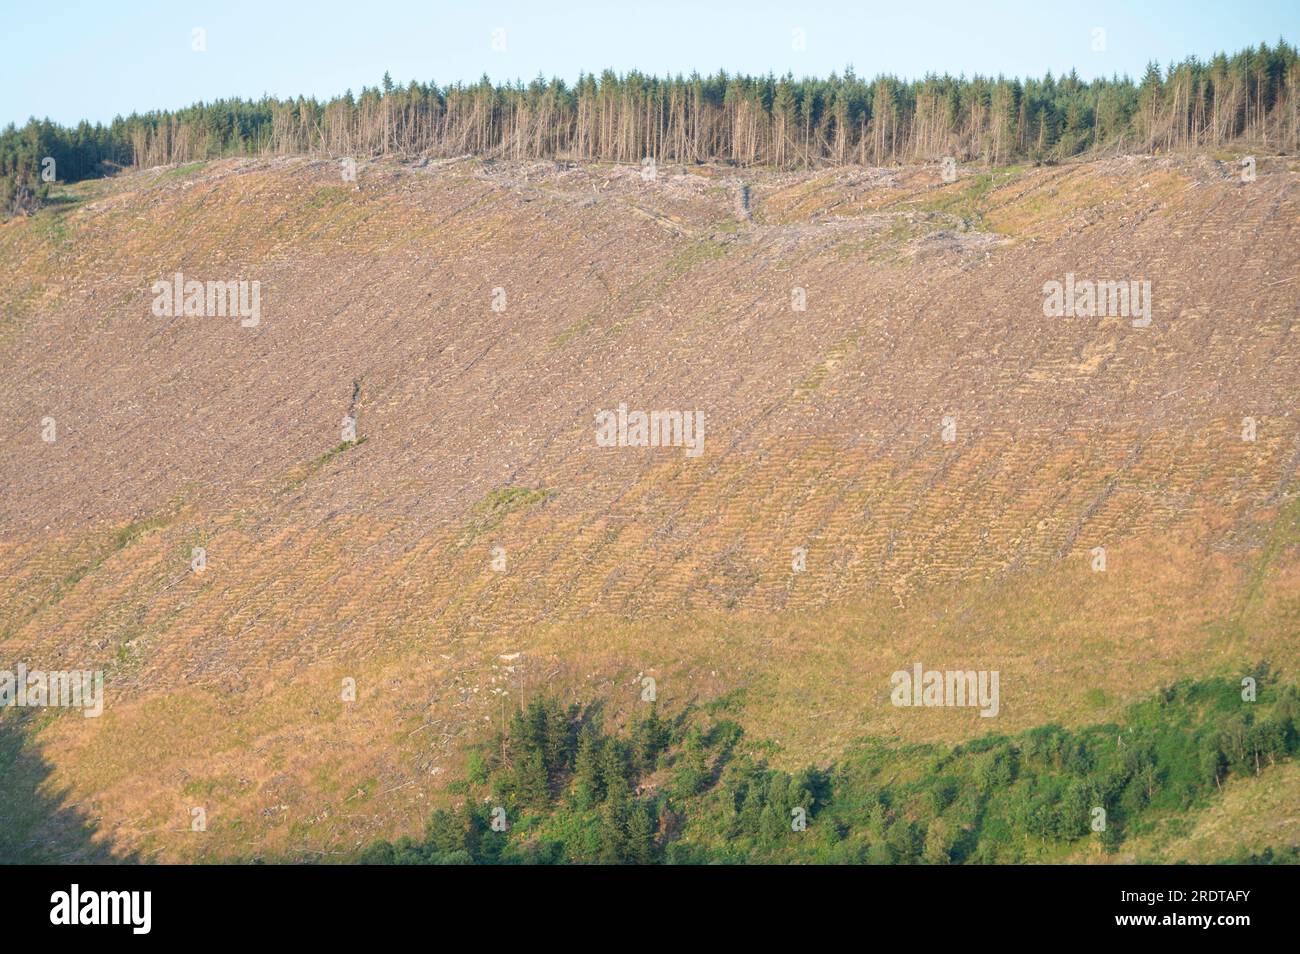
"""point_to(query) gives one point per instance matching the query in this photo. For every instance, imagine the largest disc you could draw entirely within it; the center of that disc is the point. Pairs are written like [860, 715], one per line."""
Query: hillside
[824, 430]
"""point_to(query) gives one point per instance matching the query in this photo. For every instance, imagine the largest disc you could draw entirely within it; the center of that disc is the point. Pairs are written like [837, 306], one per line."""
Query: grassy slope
[226, 686]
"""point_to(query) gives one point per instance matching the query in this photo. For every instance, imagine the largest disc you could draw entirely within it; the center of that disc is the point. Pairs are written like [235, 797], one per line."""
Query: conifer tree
[588, 786]
[640, 848]
[1251, 97]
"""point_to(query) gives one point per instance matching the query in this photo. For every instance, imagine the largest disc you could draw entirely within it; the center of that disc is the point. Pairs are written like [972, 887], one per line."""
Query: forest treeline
[557, 788]
[1251, 97]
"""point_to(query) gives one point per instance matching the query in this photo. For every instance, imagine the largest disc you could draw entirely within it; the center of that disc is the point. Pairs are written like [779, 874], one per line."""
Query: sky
[94, 60]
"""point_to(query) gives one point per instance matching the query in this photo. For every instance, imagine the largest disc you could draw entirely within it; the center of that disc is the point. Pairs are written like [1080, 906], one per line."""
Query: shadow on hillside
[37, 826]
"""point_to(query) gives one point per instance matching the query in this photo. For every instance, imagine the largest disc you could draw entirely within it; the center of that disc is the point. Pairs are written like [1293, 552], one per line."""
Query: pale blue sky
[79, 59]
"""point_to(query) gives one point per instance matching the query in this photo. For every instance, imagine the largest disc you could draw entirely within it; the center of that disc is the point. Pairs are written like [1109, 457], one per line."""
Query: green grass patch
[315, 466]
[179, 172]
[970, 202]
[489, 513]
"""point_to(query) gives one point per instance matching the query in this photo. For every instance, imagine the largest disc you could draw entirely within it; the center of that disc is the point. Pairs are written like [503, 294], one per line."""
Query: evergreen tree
[613, 829]
[532, 786]
[613, 771]
[588, 786]
[447, 832]
[640, 846]
[557, 741]
[692, 771]
[1250, 97]
[649, 737]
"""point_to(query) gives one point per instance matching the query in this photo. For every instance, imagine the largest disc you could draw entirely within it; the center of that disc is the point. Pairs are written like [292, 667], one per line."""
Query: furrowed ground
[373, 560]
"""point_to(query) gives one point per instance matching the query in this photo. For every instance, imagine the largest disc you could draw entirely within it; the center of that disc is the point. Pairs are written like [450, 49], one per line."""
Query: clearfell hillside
[1034, 421]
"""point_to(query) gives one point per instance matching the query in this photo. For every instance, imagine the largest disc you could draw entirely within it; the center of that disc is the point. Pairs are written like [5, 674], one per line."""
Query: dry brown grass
[823, 432]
